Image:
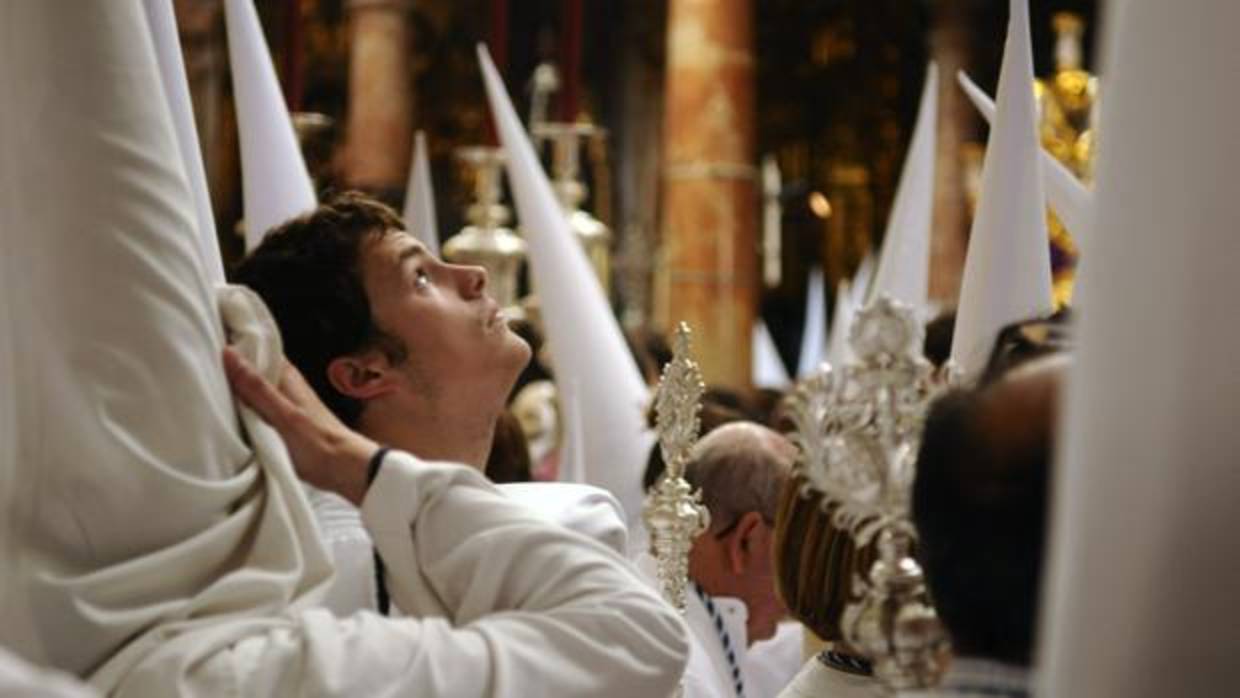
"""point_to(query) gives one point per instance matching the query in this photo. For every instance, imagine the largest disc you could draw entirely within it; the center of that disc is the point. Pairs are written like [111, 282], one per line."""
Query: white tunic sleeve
[532, 609]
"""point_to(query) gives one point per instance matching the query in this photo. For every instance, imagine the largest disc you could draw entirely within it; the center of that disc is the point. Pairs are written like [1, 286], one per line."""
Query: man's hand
[325, 452]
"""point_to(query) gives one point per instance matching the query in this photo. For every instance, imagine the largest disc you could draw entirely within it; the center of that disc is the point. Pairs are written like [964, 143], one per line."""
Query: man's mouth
[495, 317]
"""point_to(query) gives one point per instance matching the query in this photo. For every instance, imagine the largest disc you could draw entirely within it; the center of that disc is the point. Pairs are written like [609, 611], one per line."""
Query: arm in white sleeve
[535, 610]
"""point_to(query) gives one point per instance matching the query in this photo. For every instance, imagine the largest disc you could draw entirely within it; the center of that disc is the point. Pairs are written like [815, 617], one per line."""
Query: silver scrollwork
[858, 428]
[673, 512]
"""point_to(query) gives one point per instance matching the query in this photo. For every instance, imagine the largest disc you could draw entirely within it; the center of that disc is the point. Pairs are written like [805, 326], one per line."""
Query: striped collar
[847, 663]
[726, 640]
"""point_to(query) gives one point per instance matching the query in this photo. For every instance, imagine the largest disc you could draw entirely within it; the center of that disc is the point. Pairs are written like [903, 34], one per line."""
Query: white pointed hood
[862, 280]
[1140, 596]
[275, 183]
[839, 351]
[1072, 201]
[1007, 272]
[904, 263]
[768, 368]
[163, 26]
[814, 335]
[586, 343]
[420, 198]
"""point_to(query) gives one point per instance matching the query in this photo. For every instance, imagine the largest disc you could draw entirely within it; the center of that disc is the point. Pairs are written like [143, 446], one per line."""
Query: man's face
[737, 560]
[459, 347]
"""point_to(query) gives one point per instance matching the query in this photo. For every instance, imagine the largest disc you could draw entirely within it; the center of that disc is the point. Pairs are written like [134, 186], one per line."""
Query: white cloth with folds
[817, 680]
[591, 511]
[161, 543]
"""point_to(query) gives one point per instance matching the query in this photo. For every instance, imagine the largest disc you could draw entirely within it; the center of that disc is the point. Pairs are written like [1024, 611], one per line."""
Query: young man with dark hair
[979, 503]
[407, 349]
[402, 346]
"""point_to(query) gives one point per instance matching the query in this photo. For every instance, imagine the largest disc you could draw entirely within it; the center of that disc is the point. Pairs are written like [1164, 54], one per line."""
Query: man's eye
[421, 279]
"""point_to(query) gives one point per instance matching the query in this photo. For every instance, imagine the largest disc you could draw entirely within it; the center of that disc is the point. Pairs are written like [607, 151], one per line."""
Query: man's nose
[473, 281]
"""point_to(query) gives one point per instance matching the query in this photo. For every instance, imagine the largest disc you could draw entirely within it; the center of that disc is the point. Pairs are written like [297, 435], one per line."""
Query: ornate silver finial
[673, 512]
[859, 428]
[486, 241]
[595, 237]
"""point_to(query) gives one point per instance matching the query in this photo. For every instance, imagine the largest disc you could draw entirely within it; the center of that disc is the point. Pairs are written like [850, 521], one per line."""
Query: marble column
[950, 47]
[379, 128]
[709, 266]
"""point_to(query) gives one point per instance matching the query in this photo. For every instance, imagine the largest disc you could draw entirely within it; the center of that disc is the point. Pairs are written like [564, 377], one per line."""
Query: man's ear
[362, 376]
[744, 541]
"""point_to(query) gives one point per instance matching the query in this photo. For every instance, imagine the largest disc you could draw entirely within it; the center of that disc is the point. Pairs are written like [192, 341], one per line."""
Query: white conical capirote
[163, 25]
[1007, 271]
[572, 466]
[768, 369]
[839, 350]
[1140, 596]
[274, 181]
[904, 263]
[862, 280]
[814, 334]
[420, 198]
[1072, 201]
[118, 388]
[586, 343]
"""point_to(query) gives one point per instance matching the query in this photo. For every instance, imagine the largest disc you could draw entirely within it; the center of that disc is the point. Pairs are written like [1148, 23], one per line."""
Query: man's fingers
[254, 391]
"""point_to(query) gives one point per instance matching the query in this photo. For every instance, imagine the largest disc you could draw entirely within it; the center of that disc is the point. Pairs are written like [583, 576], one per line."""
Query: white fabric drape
[164, 548]
[1144, 564]
[1007, 271]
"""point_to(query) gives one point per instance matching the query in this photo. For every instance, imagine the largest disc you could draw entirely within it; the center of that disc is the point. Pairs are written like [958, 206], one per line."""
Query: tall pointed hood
[814, 336]
[904, 263]
[1140, 596]
[275, 183]
[109, 336]
[420, 198]
[1072, 201]
[839, 351]
[587, 345]
[163, 26]
[862, 280]
[768, 368]
[1007, 272]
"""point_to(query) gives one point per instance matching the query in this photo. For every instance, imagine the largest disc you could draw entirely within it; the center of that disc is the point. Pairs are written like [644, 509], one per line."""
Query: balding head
[740, 467]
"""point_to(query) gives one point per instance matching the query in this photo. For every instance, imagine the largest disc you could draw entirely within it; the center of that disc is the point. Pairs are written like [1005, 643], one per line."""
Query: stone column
[708, 272]
[950, 47]
[379, 130]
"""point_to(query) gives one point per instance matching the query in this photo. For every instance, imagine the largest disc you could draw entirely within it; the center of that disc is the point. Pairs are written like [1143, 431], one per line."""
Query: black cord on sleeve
[372, 469]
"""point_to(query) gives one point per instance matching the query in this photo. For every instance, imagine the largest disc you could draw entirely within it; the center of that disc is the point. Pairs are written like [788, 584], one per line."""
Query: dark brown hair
[308, 271]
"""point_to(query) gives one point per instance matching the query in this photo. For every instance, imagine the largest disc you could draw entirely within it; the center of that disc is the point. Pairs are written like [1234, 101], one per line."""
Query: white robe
[763, 665]
[591, 511]
[817, 680]
[161, 546]
[18, 678]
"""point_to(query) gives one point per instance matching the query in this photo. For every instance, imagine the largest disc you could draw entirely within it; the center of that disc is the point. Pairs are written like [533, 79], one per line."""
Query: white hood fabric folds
[814, 336]
[1007, 272]
[163, 26]
[1140, 599]
[768, 368]
[139, 510]
[904, 264]
[1072, 201]
[587, 345]
[420, 198]
[275, 183]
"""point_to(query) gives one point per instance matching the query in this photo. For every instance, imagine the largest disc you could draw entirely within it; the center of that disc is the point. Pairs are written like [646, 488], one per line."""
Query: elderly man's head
[740, 468]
